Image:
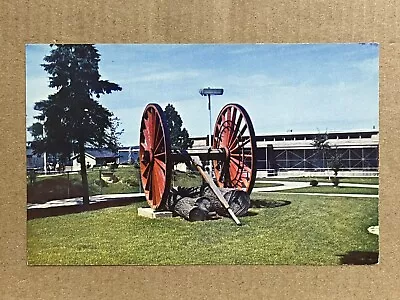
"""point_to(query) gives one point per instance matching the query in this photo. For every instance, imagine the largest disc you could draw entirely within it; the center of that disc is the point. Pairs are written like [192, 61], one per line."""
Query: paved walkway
[289, 185]
[285, 185]
[333, 195]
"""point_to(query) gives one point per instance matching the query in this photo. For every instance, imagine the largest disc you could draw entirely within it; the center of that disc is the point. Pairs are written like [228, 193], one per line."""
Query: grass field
[362, 180]
[325, 189]
[280, 229]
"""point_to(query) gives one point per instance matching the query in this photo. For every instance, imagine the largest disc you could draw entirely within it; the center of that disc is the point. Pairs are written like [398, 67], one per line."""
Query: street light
[208, 92]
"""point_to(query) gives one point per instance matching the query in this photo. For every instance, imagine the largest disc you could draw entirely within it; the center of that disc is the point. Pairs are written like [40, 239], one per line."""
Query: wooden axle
[204, 154]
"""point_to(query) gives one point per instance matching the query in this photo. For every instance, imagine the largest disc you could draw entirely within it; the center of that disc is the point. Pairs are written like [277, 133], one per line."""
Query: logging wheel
[154, 156]
[234, 133]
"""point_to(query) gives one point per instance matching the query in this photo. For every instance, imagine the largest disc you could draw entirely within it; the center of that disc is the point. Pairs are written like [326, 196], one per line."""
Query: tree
[36, 130]
[334, 159]
[72, 119]
[179, 136]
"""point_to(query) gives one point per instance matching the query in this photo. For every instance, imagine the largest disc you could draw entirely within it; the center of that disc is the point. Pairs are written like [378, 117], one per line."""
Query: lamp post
[44, 153]
[208, 92]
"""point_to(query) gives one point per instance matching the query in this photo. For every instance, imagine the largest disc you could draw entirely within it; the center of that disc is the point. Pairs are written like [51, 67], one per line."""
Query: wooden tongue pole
[196, 161]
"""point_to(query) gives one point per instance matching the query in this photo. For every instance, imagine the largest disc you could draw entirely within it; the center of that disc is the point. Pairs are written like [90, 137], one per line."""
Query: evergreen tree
[72, 118]
[179, 136]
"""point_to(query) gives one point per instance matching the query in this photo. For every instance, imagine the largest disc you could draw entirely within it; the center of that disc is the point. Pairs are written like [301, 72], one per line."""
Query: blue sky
[298, 87]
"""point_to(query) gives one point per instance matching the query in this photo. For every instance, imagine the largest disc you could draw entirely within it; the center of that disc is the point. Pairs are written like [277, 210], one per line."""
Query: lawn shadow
[269, 203]
[359, 258]
[78, 208]
[251, 214]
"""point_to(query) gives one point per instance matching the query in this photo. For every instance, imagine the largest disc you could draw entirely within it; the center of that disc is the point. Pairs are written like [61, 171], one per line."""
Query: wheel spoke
[228, 114]
[148, 183]
[241, 145]
[146, 171]
[233, 173]
[159, 180]
[232, 119]
[147, 137]
[158, 145]
[161, 164]
[234, 115]
[156, 133]
[161, 154]
[240, 164]
[147, 133]
[243, 130]
[236, 130]
[143, 145]
[153, 191]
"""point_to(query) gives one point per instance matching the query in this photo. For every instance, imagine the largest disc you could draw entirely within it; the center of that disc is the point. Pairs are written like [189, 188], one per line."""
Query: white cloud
[164, 76]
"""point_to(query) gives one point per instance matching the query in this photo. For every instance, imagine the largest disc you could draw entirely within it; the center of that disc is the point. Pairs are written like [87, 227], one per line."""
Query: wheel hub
[148, 156]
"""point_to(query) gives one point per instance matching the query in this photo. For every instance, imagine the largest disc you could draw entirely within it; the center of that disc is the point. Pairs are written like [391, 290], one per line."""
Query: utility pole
[208, 92]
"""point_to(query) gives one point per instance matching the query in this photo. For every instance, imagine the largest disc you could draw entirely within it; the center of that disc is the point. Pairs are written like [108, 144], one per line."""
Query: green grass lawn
[188, 179]
[280, 229]
[325, 189]
[363, 180]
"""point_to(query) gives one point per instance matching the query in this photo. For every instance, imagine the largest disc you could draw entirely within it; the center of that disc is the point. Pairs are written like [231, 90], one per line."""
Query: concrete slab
[373, 230]
[148, 212]
[75, 205]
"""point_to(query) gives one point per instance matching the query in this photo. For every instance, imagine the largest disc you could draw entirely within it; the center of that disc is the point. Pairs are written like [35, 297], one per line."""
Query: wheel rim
[154, 154]
[234, 133]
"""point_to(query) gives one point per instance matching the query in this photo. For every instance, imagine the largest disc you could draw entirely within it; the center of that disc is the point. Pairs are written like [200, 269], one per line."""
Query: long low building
[289, 153]
[294, 152]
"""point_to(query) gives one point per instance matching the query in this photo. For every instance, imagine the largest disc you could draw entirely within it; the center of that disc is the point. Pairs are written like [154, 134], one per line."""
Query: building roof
[102, 153]
[128, 147]
[334, 132]
[302, 140]
[98, 153]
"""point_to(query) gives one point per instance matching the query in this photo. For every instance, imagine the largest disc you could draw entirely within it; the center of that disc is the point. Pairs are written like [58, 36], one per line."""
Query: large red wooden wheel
[234, 133]
[154, 155]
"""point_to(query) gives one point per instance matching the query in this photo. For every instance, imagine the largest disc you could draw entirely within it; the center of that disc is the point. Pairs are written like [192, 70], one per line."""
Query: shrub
[335, 181]
[314, 182]
[101, 182]
[114, 178]
[32, 176]
[113, 166]
[132, 180]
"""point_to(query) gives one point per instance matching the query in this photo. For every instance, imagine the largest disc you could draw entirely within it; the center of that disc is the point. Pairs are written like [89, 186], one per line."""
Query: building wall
[76, 166]
[364, 158]
[127, 155]
[358, 150]
[34, 161]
